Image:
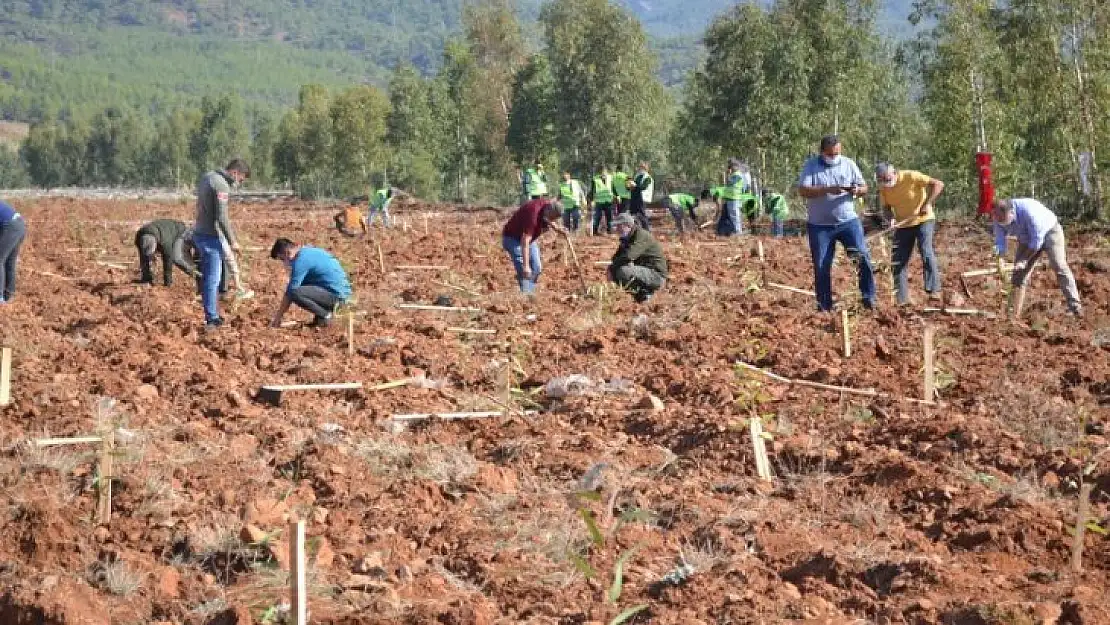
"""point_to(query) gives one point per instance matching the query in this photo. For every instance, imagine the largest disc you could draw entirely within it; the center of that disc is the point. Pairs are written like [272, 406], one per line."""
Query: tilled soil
[881, 510]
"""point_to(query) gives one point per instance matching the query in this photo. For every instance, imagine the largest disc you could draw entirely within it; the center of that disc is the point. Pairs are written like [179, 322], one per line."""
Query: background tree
[358, 117]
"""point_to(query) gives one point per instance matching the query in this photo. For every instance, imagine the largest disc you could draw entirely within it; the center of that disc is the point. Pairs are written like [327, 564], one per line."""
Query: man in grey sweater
[212, 223]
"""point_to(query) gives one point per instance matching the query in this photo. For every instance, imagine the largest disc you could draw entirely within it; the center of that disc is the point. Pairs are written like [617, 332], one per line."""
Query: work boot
[213, 324]
[320, 322]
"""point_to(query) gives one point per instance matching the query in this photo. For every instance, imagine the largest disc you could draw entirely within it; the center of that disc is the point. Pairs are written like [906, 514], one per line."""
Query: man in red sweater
[519, 235]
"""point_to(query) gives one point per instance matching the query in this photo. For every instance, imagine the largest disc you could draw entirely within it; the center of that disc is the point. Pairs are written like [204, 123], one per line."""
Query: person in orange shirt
[350, 219]
[908, 197]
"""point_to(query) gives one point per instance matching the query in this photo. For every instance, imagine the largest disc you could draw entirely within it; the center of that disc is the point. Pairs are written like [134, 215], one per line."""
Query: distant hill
[70, 55]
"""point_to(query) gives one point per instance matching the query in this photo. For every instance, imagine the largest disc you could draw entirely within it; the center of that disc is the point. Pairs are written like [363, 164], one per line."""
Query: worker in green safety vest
[678, 204]
[623, 193]
[774, 205]
[573, 199]
[734, 194]
[379, 203]
[534, 181]
[601, 198]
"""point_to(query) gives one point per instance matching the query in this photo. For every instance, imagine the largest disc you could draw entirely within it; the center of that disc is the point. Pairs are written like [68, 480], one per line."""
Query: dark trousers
[904, 241]
[636, 209]
[11, 238]
[606, 209]
[572, 218]
[315, 299]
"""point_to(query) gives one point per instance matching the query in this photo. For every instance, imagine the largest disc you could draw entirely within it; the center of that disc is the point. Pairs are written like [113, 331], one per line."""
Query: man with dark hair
[168, 237]
[212, 223]
[642, 186]
[519, 235]
[350, 219]
[317, 282]
[830, 183]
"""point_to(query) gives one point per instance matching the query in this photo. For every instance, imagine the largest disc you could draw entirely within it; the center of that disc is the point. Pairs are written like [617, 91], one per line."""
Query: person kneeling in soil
[638, 265]
[317, 282]
[165, 236]
[1038, 231]
[351, 219]
[519, 235]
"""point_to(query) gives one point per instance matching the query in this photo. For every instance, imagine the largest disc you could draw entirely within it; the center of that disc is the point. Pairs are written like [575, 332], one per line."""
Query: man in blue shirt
[830, 183]
[1038, 231]
[317, 282]
[12, 231]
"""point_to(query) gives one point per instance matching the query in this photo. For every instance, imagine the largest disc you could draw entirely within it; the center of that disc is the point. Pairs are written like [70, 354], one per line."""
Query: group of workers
[831, 185]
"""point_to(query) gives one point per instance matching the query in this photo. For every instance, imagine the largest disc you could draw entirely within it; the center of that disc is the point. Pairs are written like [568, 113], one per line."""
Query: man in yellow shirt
[908, 197]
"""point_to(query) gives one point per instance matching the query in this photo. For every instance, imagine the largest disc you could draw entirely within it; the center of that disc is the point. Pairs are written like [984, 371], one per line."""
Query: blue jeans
[729, 222]
[572, 219]
[211, 269]
[904, 240]
[385, 216]
[822, 246]
[516, 254]
[777, 229]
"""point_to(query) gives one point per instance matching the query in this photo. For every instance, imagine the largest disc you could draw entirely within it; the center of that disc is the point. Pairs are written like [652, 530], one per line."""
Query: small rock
[1051, 480]
[146, 391]
[371, 564]
[337, 469]
[651, 402]
[169, 583]
[235, 399]
[227, 497]
[209, 579]
[279, 551]
[791, 591]
[252, 535]
[881, 348]
[101, 534]
[1047, 613]
[319, 515]
[265, 512]
[924, 605]
[325, 556]
[48, 583]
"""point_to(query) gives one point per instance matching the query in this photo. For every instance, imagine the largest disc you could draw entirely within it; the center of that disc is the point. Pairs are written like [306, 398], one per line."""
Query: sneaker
[320, 322]
[868, 304]
[243, 294]
[212, 324]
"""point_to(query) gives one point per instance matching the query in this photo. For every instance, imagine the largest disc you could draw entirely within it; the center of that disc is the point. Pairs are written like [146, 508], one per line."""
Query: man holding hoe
[519, 235]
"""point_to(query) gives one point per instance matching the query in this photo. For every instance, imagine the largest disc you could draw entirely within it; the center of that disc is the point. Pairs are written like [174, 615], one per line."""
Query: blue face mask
[831, 161]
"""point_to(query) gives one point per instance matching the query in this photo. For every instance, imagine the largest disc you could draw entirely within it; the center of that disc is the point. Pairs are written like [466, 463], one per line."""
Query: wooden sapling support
[104, 502]
[75, 440]
[425, 224]
[830, 387]
[1080, 527]
[1000, 270]
[845, 331]
[471, 331]
[759, 448]
[791, 289]
[6, 376]
[577, 266]
[381, 259]
[389, 385]
[440, 308]
[457, 288]
[447, 416]
[967, 289]
[298, 575]
[422, 267]
[958, 311]
[930, 372]
[272, 393]
[350, 333]
[104, 263]
[602, 263]
[759, 248]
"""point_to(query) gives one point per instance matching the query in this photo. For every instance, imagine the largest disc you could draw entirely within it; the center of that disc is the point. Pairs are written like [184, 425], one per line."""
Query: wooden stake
[104, 505]
[381, 260]
[471, 331]
[457, 288]
[6, 377]
[577, 266]
[350, 333]
[443, 308]
[298, 578]
[425, 224]
[958, 311]
[447, 416]
[967, 290]
[792, 289]
[389, 385]
[759, 248]
[846, 332]
[419, 267]
[76, 440]
[759, 448]
[930, 383]
[830, 387]
[1080, 527]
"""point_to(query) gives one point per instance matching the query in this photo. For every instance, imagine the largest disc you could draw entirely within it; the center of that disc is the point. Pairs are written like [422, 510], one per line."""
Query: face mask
[830, 160]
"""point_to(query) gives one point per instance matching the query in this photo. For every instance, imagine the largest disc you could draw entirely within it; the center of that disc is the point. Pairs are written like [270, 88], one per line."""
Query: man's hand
[925, 208]
[1019, 265]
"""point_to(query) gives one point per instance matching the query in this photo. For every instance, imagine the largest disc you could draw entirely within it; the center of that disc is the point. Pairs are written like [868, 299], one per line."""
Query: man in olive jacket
[638, 265]
[168, 237]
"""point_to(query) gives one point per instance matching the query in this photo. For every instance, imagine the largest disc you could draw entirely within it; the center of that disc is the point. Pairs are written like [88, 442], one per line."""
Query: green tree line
[1030, 82]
